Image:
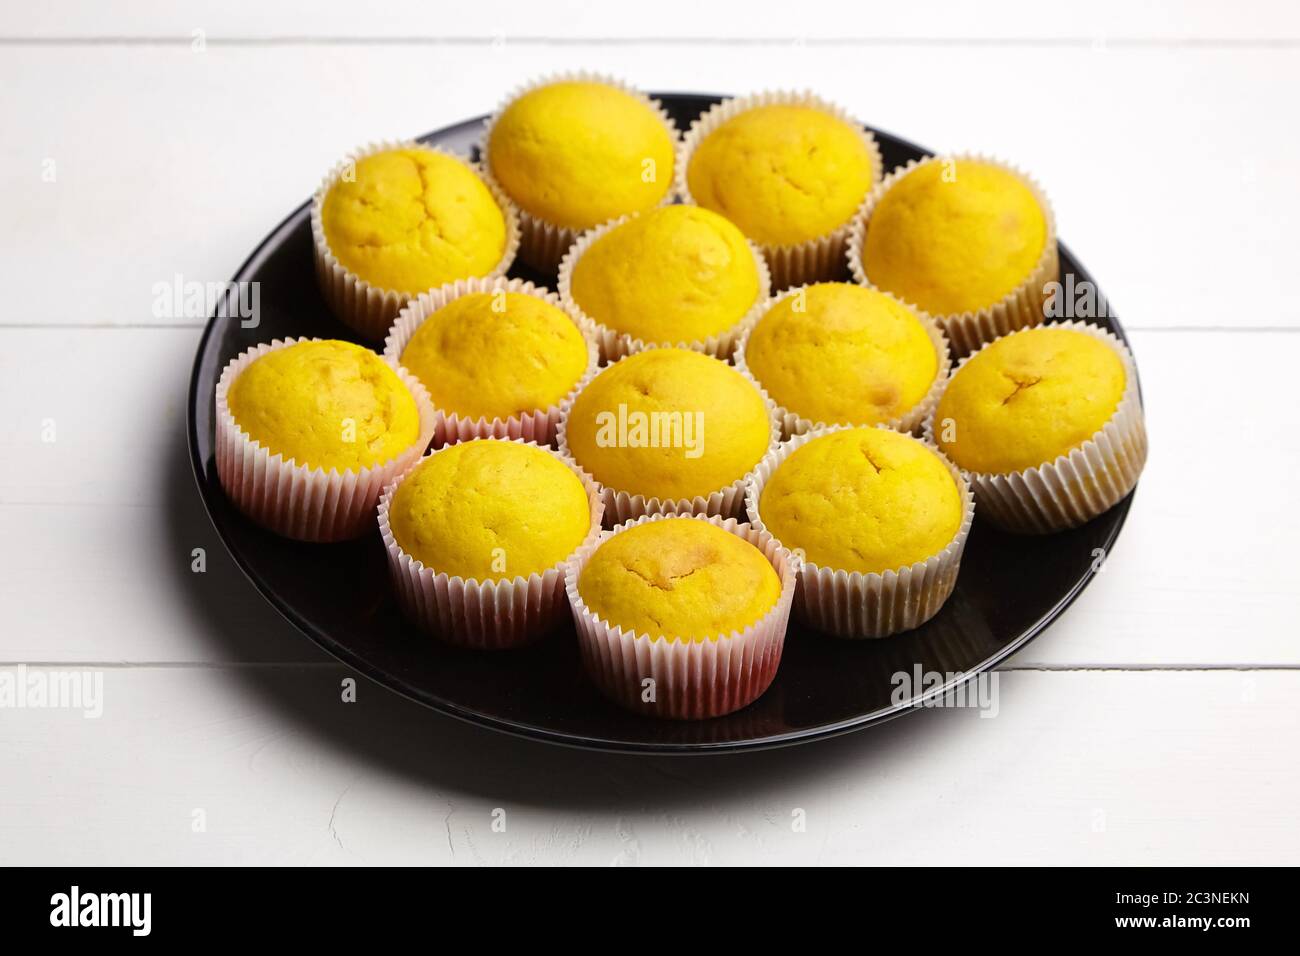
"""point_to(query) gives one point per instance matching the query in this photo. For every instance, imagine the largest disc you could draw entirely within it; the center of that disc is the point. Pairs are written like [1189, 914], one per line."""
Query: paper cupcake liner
[538, 425]
[792, 423]
[307, 504]
[483, 615]
[368, 309]
[856, 605]
[543, 244]
[1020, 308]
[622, 506]
[615, 345]
[812, 261]
[1076, 487]
[692, 680]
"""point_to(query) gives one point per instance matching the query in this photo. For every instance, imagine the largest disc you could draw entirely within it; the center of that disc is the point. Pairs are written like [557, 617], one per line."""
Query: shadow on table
[383, 732]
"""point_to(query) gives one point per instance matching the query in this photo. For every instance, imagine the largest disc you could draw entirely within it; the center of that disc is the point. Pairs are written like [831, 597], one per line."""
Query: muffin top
[497, 354]
[954, 236]
[863, 499]
[839, 353]
[673, 274]
[783, 174]
[489, 509]
[579, 153]
[413, 219]
[669, 423]
[679, 578]
[326, 404]
[1028, 398]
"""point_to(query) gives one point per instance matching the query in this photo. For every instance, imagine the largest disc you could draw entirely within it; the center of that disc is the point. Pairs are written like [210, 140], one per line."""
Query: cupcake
[669, 431]
[576, 151]
[308, 433]
[837, 353]
[1048, 424]
[677, 275]
[969, 240]
[879, 519]
[681, 617]
[790, 170]
[499, 358]
[402, 218]
[477, 534]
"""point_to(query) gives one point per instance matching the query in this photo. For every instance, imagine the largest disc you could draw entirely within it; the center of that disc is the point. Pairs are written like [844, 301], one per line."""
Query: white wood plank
[1076, 768]
[1203, 574]
[669, 18]
[1171, 168]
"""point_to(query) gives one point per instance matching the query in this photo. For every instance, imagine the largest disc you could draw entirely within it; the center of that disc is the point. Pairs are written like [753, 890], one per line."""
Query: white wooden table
[1158, 722]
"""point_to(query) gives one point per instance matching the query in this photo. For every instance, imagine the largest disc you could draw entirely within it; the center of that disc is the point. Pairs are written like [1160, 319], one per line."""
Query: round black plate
[1010, 588]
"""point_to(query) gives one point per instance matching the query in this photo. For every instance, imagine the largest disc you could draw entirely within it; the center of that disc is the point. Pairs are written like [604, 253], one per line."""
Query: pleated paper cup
[543, 244]
[483, 615]
[620, 506]
[614, 345]
[293, 500]
[1075, 487]
[853, 604]
[684, 679]
[817, 259]
[538, 425]
[368, 309]
[1020, 308]
[792, 423]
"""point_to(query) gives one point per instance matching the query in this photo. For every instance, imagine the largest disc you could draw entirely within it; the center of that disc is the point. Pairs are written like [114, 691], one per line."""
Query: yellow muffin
[784, 174]
[413, 219]
[327, 405]
[679, 578]
[494, 355]
[954, 236]
[839, 353]
[672, 275]
[669, 424]
[579, 153]
[863, 499]
[488, 510]
[1028, 398]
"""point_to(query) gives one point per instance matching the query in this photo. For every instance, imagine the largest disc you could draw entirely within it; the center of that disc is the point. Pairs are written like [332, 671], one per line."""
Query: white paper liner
[693, 680]
[615, 345]
[308, 504]
[1075, 487]
[792, 423]
[538, 425]
[816, 259]
[543, 244]
[1020, 308]
[483, 615]
[368, 309]
[852, 604]
[621, 506]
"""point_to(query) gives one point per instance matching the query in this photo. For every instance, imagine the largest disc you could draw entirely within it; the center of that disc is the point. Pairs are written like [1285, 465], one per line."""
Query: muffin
[681, 617]
[308, 433]
[669, 431]
[498, 357]
[477, 534]
[676, 275]
[879, 518]
[790, 170]
[1049, 425]
[967, 239]
[402, 218]
[575, 151]
[837, 353]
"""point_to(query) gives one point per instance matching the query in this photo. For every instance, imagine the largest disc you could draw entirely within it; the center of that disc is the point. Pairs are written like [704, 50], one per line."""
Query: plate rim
[573, 740]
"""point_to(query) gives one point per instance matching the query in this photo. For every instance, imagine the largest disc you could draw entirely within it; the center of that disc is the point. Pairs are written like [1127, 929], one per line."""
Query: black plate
[1009, 589]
